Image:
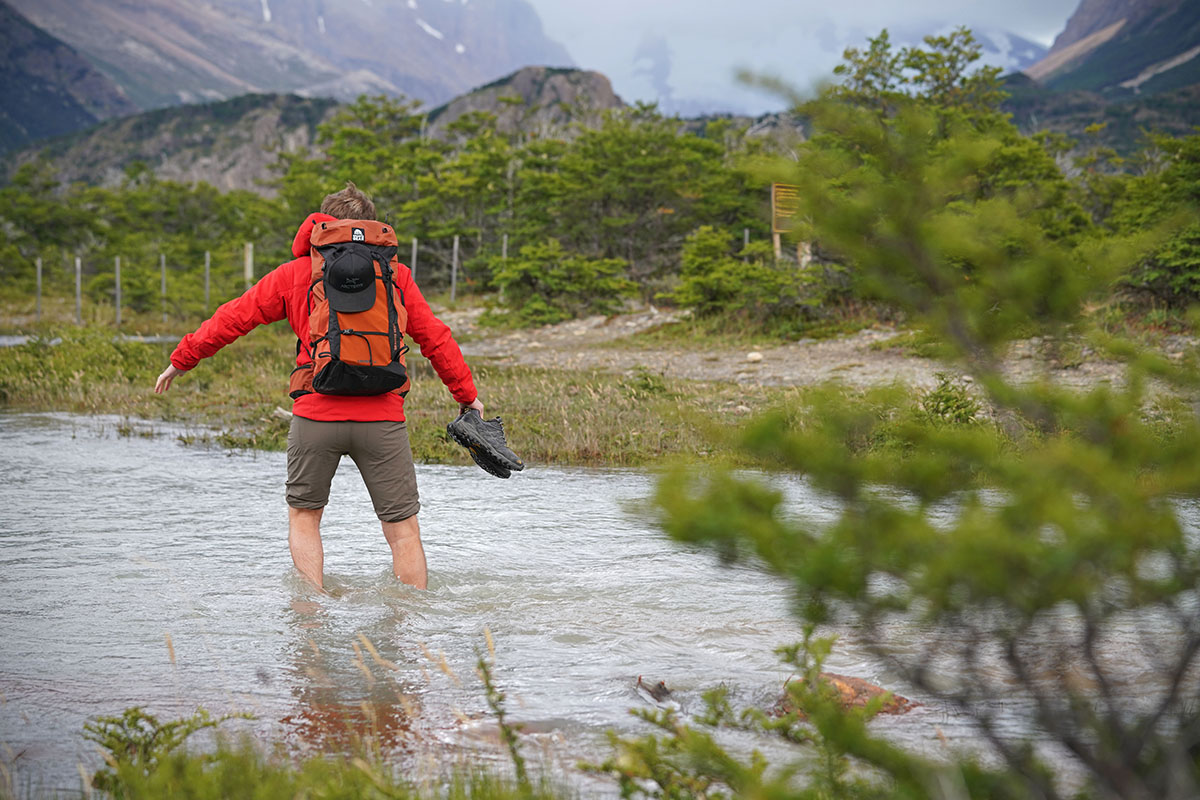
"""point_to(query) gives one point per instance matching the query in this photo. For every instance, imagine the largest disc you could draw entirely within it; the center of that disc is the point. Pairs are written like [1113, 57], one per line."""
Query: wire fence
[104, 292]
[186, 291]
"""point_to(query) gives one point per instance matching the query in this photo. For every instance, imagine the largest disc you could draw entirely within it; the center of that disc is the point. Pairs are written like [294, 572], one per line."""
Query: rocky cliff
[233, 144]
[534, 100]
[1093, 16]
[1125, 47]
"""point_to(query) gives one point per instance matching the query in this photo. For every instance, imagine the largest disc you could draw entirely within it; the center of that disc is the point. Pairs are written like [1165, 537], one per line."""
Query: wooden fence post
[78, 291]
[38, 314]
[454, 269]
[248, 263]
[117, 276]
[162, 268]
[412, 267]
[504, 259]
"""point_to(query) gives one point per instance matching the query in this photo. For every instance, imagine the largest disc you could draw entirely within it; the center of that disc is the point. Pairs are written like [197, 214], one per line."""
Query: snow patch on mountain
[1008, 51]
[432, 31]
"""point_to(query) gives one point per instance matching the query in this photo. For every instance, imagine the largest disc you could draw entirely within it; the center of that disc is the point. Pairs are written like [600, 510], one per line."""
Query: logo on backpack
[356, 313]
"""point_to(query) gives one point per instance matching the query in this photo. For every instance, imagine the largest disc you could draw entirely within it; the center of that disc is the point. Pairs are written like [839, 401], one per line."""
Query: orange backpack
[356, 315]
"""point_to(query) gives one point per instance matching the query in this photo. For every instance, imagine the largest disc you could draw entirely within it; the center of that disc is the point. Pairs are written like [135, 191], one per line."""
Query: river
[140, 571]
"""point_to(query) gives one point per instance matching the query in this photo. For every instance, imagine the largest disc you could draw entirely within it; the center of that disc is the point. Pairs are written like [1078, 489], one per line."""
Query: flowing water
[138, 571]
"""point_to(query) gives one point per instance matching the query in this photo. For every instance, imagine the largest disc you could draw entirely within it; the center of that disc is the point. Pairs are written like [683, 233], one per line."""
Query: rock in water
[852, 693]
[657, 692]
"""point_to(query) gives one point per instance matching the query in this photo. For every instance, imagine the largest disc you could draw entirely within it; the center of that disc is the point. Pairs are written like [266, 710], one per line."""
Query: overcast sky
[691, 48]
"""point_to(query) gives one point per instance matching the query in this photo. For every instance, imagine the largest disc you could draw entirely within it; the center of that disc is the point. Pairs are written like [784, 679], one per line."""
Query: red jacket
[283, 293]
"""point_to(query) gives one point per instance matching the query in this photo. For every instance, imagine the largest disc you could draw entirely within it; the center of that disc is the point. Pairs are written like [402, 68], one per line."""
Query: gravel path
[855, 359]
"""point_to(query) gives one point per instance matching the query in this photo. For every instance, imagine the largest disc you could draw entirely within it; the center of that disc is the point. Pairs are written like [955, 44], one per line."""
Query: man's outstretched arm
[261, 304]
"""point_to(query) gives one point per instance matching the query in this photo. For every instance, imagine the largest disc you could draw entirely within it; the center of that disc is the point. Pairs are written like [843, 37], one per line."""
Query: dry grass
[551, 416]
[588, 417]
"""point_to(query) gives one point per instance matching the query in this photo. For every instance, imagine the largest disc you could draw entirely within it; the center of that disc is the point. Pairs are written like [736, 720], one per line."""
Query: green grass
[243, 771]
[1145, 322]
[551, 416]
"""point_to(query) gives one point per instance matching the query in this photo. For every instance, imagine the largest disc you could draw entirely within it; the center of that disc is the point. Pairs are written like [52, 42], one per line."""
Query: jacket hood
[300, 245]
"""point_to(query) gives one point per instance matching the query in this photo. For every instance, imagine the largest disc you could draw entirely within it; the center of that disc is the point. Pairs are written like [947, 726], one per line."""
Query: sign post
[785, 203]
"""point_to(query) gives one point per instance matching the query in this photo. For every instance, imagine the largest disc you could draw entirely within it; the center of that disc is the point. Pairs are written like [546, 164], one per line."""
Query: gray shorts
[380, 449]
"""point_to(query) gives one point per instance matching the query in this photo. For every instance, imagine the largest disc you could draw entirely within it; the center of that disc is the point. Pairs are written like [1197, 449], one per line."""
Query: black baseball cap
[350, 281]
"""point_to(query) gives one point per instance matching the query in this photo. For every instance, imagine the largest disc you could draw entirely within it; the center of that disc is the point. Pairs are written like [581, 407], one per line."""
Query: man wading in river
[364, 424]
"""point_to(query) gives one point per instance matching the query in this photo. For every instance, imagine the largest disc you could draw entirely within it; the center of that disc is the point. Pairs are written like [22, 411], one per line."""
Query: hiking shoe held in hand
[484, 440]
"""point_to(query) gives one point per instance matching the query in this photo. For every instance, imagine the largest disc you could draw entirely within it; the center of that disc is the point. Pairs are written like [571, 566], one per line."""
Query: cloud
[798, 40]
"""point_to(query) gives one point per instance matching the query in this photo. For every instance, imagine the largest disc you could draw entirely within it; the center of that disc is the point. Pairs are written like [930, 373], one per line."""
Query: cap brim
[352, 302]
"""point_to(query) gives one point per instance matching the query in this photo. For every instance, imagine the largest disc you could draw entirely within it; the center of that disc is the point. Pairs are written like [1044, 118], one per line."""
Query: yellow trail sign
[785, 203]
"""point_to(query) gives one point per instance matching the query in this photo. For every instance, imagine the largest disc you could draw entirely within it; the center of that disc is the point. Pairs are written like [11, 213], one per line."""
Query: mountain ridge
[168, 52]
[49, 89]
[1124, 47]
[235, 144]
[231, 144]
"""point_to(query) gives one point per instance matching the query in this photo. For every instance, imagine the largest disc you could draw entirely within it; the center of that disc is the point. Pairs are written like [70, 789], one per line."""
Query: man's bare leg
[304, 540]
[408, 557]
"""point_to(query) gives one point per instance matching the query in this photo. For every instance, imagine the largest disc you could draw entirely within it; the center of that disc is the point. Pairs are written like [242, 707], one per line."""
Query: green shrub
[547, 284]
[714, 280]
[950, 402]
[1172, 271]
[136, 744]
[1167, 194]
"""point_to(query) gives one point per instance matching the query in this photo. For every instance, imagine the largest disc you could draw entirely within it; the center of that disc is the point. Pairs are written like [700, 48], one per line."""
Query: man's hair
[349, 203]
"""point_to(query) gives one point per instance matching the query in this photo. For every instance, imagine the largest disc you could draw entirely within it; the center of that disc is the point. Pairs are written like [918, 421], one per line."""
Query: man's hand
[475, 404]
[169, 374]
